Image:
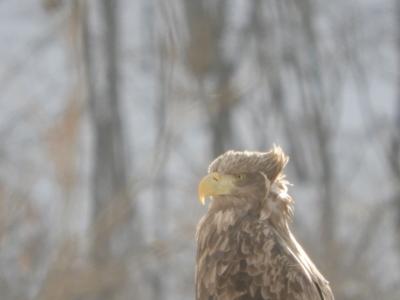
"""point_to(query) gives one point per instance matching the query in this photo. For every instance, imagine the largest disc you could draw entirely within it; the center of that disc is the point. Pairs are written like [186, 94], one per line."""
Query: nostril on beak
[216, 177]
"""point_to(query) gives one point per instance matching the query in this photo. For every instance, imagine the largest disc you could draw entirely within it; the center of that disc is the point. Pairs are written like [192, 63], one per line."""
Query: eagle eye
[241, 176]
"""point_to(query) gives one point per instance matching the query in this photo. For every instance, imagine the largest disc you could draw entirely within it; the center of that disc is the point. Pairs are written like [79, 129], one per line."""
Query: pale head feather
[271, 165]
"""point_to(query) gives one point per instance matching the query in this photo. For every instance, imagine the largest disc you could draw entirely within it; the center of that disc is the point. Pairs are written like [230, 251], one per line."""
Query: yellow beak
[215, 184]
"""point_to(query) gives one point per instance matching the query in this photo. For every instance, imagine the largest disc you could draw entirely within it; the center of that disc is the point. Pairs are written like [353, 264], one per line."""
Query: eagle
[245, 248]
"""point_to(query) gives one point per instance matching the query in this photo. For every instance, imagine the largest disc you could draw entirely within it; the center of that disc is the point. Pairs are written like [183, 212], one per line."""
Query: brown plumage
[245, 249]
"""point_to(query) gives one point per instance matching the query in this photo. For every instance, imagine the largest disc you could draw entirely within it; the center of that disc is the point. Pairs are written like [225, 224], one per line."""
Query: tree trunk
[208, 60]
[112, 208]
[320, 113]
[395, 151]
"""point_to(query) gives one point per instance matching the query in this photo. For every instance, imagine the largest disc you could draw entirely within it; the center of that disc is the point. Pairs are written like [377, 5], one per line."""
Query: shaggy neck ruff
[276, 207]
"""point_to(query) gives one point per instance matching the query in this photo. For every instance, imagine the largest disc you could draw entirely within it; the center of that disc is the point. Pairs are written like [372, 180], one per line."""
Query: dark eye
[241, 176]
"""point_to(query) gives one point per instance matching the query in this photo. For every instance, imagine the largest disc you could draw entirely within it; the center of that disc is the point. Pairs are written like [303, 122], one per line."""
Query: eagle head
[244, 179]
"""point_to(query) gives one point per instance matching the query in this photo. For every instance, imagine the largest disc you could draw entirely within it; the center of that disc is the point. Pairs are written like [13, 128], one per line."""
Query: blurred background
[111, 111]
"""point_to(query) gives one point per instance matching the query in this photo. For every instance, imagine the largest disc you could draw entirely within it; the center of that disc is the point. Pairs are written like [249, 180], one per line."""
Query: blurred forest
[112, 110]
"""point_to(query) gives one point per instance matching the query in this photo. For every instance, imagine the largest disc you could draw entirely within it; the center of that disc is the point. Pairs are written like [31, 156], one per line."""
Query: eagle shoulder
[247, 259]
